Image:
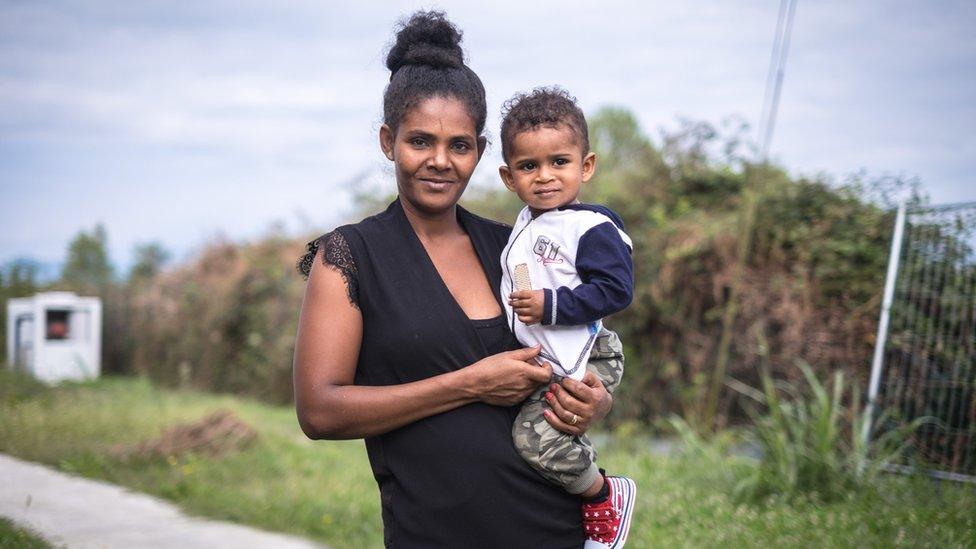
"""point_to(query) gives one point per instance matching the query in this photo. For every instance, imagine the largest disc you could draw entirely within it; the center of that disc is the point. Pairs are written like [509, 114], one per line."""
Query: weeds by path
[216, 435]
[13, 536]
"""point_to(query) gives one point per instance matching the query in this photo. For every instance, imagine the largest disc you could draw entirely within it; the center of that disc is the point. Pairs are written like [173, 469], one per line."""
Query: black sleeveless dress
[454, 479]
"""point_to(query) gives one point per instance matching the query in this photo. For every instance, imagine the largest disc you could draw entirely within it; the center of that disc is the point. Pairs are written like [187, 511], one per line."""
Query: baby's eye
[561, 161]
[528, 166]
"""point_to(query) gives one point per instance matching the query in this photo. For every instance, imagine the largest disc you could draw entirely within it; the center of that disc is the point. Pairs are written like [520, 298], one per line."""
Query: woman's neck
[430, 226]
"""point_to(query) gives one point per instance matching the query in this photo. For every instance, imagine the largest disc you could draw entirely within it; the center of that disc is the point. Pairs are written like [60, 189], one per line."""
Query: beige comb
[522, 281]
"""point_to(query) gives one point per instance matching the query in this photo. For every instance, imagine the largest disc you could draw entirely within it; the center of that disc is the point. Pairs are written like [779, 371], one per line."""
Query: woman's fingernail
[548, 396]
[552, 387]
[546, 413]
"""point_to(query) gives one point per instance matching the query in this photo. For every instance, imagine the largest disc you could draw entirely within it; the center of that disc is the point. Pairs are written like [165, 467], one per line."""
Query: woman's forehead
[439, 115]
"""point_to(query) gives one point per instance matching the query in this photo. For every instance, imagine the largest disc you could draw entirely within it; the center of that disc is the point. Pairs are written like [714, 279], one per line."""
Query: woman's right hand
[508, 378]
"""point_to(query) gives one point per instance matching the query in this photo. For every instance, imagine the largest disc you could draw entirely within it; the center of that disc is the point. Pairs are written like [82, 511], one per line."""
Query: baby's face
[546, 167]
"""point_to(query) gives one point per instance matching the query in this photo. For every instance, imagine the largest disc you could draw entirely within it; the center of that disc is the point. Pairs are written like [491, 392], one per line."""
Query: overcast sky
[179, 121]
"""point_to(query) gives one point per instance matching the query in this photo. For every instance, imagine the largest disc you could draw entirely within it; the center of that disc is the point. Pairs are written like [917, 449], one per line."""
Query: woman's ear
[386, 141]
[589, 166]
[506, 175]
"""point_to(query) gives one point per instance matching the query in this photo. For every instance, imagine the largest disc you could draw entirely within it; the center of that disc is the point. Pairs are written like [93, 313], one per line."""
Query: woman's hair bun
[427, 38]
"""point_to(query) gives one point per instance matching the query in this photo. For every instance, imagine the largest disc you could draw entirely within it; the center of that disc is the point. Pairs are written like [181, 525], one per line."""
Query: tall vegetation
[224, 322]
[808, 440]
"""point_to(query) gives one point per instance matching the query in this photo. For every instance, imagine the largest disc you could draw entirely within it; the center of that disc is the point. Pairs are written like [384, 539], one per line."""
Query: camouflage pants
[562, 459]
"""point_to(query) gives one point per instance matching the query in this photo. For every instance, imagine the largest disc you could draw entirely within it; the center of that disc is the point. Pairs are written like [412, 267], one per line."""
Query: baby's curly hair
[545, 106]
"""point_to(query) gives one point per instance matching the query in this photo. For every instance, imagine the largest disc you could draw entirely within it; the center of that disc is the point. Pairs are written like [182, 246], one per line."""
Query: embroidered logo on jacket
[547, 250]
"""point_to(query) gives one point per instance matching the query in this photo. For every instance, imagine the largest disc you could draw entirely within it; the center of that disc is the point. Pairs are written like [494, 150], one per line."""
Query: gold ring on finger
[575, 420]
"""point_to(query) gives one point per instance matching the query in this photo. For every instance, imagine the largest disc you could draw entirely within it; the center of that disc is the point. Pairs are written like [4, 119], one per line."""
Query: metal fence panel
[925, 362]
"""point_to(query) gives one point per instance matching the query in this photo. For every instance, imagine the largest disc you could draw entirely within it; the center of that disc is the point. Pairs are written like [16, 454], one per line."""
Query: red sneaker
[606, 524]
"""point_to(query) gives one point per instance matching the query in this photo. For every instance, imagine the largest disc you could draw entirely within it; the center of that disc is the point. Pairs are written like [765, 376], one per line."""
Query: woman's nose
[438, 158]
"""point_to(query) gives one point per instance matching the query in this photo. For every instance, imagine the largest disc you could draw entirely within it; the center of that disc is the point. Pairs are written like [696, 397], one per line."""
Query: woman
[402, 340]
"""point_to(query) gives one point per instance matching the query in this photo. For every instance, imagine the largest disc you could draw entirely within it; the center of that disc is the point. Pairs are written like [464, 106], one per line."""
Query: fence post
[880, 340]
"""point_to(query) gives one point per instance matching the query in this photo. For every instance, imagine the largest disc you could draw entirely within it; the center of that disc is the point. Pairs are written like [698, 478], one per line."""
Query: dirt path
[77, 512]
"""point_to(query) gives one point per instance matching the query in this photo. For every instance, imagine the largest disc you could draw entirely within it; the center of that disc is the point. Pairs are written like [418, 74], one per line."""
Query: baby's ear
[506, 175]
[589, 166]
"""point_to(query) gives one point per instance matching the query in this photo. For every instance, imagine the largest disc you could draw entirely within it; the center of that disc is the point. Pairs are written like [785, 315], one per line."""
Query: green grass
[13, 536]
[686, 503]
[324, 490]
[281, 482]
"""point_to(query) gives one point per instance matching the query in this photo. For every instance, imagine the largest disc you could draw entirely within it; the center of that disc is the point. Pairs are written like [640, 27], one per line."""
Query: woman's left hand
[577, 405]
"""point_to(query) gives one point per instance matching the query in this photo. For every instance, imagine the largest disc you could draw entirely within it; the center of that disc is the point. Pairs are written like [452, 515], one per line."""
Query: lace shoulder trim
[335, 255]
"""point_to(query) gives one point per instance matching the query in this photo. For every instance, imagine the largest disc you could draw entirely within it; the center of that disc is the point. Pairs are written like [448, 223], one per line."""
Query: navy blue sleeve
[607, 272]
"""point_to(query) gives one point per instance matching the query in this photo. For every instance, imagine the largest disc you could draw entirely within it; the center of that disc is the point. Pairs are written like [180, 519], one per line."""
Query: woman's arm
[330, 331]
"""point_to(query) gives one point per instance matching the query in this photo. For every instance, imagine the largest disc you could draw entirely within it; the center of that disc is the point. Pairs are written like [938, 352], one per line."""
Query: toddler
[565, 267]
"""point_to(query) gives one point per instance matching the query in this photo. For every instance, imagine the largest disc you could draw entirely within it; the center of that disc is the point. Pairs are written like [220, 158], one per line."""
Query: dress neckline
[462, 217]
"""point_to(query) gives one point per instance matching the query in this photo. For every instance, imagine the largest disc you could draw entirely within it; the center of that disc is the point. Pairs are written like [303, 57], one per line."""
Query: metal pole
[778, 86]
[879, 345]
[752, 193]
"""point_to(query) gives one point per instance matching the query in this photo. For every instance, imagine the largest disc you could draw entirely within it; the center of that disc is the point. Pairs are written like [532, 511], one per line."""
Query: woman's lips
[437, 184]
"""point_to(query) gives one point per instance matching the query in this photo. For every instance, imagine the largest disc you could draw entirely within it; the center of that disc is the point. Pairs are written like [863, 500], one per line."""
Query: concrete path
[76, 512]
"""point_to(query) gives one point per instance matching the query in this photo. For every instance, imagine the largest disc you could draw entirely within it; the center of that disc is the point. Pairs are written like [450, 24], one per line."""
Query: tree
[18, 278]
[87, 269]
[151, 257]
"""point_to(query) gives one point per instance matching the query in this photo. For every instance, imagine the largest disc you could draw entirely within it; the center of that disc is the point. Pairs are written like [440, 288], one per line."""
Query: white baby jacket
[581, 257]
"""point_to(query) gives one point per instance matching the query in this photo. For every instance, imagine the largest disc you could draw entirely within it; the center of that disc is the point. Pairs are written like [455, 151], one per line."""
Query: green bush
[224, 322]
[812, 444]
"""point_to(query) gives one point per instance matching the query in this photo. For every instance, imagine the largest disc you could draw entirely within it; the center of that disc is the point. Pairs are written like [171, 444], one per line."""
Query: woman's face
[435, 151]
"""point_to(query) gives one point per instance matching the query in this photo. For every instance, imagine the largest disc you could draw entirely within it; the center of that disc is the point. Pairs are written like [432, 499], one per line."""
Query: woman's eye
[461, 147]
[418, 142]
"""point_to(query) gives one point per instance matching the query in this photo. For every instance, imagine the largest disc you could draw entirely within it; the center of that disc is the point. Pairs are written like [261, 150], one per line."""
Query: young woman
[402, 340]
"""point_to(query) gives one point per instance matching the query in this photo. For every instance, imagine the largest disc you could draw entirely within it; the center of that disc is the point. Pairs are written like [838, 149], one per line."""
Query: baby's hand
[528, 305]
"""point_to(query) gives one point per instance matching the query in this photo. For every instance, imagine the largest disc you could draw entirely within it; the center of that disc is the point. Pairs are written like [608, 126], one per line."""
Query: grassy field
[324, 490]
